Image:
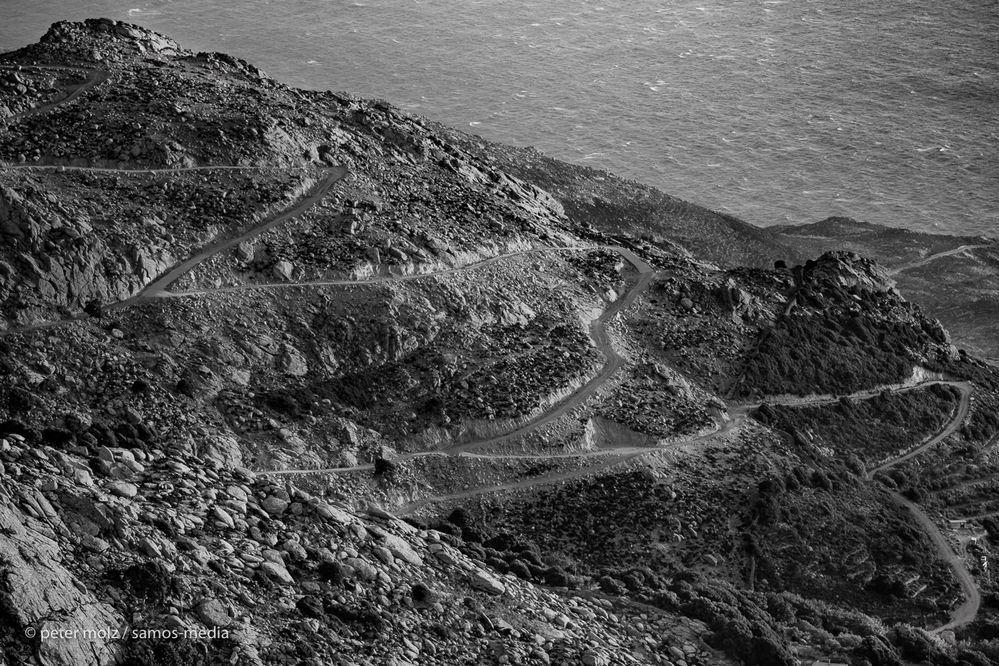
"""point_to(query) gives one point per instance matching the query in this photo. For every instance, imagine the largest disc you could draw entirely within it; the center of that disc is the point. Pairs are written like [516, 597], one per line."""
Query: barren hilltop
[293, 377]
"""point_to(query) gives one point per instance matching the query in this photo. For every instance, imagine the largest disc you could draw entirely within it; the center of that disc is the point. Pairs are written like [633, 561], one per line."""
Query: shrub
[149, 581]
[471, 535]
[58, 438]
[556, 577]
[459, 517]
[520, 569]
[877, 651]
[611, 585]
[422, 594]
[385, 468]
[331, 572]
[141, 387]
[912, 643]
[20, 401]
[283, 404]
[887, 586]
[499, 564]
[817, 353]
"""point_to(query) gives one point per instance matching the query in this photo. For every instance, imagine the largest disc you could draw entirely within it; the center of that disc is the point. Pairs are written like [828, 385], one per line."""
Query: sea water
[776, 111]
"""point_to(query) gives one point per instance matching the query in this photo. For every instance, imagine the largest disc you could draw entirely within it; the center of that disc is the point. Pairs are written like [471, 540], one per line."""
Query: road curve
[933, 257]
[962, 615]
[601, 340]
[94, 77]
[959, 416]
[164, 281]
[966, 612]
[161, 283]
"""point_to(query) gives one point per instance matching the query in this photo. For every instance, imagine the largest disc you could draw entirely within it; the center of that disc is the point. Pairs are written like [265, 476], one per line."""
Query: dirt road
[601, 341]
[960, 414]
[163, 282]
[94, 77]
[968, 609]
[933, 257]
[155, 288]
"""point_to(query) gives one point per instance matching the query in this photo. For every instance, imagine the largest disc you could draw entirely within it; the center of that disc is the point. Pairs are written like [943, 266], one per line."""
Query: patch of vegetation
[740, 624]
[871, 429]
[831, 538]
[819, 353]
[982, 423]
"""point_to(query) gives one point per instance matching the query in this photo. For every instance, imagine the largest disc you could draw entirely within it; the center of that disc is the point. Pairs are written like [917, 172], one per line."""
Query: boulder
[276, 572]
[37, 592]
[487, 583]
[213, 613]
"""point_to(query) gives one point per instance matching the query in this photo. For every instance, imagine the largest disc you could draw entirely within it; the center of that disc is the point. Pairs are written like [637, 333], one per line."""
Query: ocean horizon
[771, 111]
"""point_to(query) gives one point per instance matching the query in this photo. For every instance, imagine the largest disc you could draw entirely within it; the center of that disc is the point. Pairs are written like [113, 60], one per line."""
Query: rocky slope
[953, 278]
[298, 378]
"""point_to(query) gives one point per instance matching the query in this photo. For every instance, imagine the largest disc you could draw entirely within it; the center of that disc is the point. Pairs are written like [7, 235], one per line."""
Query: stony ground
[316, 381]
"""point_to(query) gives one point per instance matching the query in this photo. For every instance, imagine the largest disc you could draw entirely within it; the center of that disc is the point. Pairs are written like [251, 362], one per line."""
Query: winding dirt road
[933, 257]
[163, 282]
[816, 399]
[94, 77]
[960, 414]
[963, 614]
[158, 286]
[598, 335]
[601, 340]
[966, 612]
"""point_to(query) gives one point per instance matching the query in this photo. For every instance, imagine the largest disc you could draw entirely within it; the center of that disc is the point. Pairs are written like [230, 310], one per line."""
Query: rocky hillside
[954, 278]
[297, 378]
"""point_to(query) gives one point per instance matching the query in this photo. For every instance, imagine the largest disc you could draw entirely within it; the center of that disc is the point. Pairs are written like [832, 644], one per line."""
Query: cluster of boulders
[99, 238]
[648, 402]
[426, 223]
[132, 540]
[688, 323]
[171, 89]
[23, 89]
[127, 499]
[533, 360]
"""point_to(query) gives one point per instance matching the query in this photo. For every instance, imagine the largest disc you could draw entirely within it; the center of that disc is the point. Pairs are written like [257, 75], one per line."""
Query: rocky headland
[292, 377]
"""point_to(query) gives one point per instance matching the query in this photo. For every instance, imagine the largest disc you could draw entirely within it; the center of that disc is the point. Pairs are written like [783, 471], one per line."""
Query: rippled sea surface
[773, 110]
